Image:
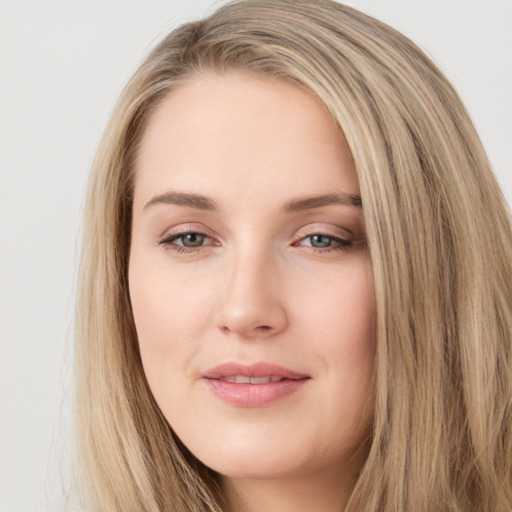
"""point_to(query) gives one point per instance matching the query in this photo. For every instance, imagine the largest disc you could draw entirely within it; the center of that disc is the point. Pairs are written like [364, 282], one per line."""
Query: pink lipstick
[254, 385]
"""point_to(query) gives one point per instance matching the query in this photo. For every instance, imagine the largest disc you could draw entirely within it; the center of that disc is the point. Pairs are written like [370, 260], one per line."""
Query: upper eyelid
[184, 230]
[304, 231]
[327, 230]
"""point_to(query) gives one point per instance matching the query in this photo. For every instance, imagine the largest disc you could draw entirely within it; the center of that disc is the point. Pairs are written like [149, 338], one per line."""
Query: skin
[256, 287]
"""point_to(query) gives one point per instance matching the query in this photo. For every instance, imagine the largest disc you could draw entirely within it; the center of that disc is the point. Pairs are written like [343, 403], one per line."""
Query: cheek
[166, 301]
[168, 320]
[341, 320]
[339, 308]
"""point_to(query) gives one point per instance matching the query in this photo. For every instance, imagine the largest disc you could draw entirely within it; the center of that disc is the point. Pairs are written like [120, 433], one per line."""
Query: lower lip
[253, 395]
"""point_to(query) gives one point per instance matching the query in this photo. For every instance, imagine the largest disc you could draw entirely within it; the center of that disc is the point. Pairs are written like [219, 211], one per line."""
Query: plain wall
[62, 66]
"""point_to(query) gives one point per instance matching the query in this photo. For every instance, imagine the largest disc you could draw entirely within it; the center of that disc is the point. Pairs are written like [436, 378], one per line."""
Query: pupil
[320, 241]
[192, 240]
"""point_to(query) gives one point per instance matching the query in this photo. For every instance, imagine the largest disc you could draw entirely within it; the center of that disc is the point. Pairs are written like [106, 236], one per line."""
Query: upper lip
[261, 369]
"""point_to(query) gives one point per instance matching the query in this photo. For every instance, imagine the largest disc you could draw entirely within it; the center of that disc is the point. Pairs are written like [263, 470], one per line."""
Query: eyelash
[341, 244]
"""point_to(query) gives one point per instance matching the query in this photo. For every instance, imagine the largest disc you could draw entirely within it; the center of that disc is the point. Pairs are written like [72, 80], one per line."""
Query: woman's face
[250, 280]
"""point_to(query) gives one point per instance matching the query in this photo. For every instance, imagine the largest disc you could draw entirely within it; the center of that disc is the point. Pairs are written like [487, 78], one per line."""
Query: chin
[267, 457]
[258, 468]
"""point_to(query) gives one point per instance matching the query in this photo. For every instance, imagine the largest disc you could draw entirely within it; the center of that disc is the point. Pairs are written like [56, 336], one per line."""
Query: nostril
[251, 319]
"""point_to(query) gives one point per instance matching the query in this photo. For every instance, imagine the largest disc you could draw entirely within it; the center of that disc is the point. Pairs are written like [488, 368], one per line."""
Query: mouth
[254, 385]
[244, 379]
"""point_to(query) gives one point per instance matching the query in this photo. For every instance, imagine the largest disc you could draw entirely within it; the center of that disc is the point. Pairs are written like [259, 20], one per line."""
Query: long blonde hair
[440, 241]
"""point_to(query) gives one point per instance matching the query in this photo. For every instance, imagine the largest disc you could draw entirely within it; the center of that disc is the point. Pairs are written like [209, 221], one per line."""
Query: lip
[253, 394]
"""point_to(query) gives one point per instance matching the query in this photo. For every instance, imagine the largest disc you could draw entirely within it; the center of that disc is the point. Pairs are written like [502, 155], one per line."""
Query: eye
[186, 241]
[191, 239]
[321, 241]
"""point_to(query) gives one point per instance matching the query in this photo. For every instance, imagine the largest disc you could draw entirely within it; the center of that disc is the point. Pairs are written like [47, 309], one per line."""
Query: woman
[295, 287]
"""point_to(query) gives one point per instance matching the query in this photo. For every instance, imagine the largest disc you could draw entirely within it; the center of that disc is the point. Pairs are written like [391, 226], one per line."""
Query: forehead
[237, 132]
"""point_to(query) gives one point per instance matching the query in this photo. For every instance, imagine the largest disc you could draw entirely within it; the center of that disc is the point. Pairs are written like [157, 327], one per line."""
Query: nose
[251, 304]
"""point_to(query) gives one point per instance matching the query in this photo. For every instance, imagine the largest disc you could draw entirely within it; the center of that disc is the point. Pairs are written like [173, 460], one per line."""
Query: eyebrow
[183, 199]
[307, 203]
[201, 202]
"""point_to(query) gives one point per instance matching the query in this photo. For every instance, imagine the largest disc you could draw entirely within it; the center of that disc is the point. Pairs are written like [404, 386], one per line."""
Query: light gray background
[62, 65]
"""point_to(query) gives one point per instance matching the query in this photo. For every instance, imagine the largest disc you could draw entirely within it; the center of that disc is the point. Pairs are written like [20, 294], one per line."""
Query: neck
[326, 491]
